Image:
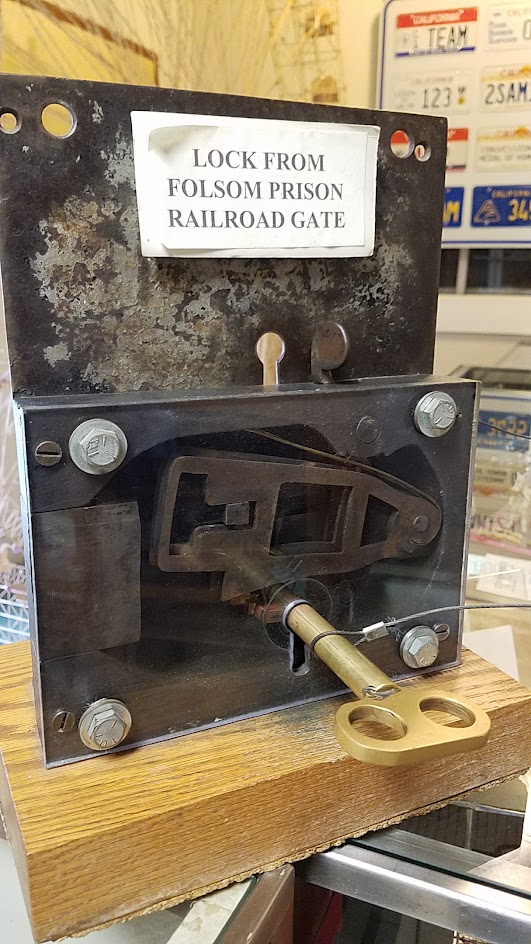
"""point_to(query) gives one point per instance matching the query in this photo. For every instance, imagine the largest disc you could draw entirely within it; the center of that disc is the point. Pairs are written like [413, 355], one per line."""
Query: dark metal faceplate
[178, 655]
[86, 312]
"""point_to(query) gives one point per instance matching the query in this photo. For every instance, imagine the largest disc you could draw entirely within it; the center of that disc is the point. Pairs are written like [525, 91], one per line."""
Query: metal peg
[330, 348]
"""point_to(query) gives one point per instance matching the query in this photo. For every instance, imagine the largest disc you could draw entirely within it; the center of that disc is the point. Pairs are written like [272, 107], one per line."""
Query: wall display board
[471, 64]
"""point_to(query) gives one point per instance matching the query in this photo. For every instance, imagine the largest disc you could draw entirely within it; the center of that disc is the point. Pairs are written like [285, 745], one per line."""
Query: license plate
[436, 32]
[509, 25]
[506, 87]
[504, 148]
[456, 158]
[453, 206]
[509, 427]
[432, 94]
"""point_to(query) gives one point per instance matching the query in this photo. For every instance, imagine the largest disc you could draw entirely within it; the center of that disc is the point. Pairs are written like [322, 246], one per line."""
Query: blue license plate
[501, 206]
[453, 206]
[505, 431]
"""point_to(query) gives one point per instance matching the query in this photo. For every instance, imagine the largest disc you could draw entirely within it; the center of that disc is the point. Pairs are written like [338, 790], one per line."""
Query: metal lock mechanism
[175, 509]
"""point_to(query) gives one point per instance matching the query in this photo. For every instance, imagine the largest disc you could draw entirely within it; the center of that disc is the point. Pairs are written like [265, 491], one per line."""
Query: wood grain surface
[120, 835]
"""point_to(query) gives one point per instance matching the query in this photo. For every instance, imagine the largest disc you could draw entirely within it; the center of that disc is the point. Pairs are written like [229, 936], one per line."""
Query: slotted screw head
[48, 453]
[98, 446]
[435, 413]
[419, 647]
[104, 724]
[63, 722]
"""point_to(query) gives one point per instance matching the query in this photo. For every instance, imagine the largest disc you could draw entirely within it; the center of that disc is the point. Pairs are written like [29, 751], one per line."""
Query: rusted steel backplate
[86, 312]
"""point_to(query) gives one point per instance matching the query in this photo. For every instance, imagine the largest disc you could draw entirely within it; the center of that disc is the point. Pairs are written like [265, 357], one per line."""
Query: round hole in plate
[423, 152]
[9, 121]
[58, 120]
[446, 712]
[401, 143]
[376, 722]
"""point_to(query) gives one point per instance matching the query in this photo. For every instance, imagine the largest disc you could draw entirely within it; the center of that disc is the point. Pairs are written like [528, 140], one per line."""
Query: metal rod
[347, 662]
[445, 900]
[461, 279]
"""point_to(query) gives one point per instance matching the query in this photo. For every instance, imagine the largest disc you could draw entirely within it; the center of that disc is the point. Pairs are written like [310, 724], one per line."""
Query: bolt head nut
[101, 447]
[105, 724]
[435, 414]
[98, 446]
[419, 647]
[424, 652]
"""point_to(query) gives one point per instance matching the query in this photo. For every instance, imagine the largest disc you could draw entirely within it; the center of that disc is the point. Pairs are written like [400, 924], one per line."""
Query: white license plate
[436, 32]
[507, 87]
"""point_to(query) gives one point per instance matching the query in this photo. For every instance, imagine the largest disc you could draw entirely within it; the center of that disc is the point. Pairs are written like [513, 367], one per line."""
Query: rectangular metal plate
[337, 530]
[96, 552]
[86, 312]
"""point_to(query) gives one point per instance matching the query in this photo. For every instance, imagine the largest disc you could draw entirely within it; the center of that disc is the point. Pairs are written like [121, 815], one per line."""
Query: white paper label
[495, 645]
[218, 186]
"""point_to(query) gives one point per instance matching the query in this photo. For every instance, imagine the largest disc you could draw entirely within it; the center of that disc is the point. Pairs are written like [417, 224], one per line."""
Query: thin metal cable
[337, 632]
[463, 606]
[412, 616]
[505, 432]
[349, 463]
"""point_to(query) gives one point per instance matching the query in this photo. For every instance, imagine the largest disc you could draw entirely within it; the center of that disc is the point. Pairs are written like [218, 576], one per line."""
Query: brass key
[417, 737]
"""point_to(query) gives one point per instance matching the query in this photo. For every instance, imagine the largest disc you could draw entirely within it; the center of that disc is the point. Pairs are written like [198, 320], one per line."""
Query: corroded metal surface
[86, 312]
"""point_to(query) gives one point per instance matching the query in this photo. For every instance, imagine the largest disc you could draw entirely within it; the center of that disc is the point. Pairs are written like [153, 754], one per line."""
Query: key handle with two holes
[404, 713]
[415, 737]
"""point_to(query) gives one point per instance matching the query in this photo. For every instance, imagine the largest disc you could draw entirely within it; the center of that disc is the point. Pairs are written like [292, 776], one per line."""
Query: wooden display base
[103, 840]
